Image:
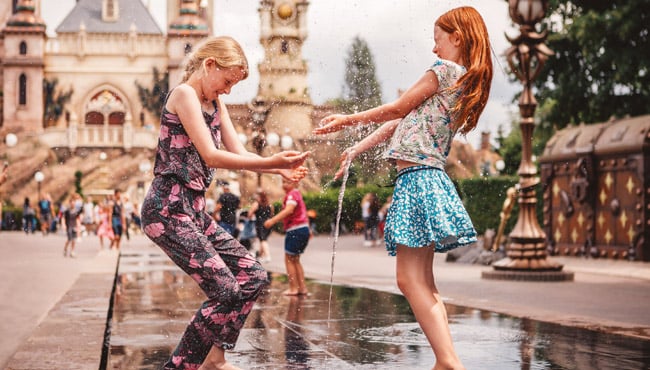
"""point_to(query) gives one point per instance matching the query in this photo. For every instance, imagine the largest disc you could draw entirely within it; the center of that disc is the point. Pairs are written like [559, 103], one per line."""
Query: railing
[104, 136]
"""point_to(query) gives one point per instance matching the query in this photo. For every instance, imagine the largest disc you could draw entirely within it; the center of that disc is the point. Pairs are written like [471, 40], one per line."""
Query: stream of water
[346, 173]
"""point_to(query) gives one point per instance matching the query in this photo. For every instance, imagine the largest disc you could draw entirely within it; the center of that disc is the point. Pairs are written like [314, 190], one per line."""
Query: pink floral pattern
[174, 217]
[424, 136]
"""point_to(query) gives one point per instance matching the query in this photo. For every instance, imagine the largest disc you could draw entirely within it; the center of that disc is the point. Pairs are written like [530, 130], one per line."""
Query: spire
[189, 21]
[25, 16]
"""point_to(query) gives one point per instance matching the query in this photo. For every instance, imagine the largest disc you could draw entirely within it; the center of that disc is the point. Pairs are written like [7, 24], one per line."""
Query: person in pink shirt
[296, 225]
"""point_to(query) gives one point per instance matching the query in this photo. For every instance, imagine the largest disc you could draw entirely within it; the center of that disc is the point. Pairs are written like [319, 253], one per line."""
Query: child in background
[296, 226]
[71, 223]
[427, 215]
[261, 211]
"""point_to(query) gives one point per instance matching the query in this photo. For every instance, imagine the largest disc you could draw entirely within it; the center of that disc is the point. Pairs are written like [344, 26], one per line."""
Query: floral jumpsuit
[174, 217]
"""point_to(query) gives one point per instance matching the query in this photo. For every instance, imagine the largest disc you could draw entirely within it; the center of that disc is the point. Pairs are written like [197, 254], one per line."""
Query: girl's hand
[332, 123]
[268, 224]
[294, 175]
[289, 159]
[346, 157]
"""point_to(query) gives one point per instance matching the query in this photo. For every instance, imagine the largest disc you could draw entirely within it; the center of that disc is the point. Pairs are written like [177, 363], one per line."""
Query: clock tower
[283, 93]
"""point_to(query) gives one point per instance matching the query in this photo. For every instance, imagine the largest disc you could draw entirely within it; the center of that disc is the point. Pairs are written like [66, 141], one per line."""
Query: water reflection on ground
[368, 330]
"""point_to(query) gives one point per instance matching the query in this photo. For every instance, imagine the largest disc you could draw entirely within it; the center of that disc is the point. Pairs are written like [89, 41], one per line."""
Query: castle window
[94, 118]
[23, 48]
[110, 11]
[188, 48]
[116, 118]
[22, 89]
[284, 47]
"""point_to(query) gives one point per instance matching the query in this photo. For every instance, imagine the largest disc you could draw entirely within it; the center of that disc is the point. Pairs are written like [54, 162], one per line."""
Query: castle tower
[205, 10]
[283, 87]
[23, 69]
[187, 30]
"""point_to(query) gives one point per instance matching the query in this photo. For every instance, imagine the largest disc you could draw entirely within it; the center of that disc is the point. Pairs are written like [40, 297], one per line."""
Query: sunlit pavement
[364, 324]
[356, 328]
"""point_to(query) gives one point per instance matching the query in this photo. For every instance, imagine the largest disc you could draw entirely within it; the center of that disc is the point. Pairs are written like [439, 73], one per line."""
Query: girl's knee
[409, 283]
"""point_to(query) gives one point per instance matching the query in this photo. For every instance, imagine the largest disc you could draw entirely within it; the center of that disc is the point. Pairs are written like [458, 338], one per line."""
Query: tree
[361, 92]
[78, 175]
[601, 62]
[153, 99]
[54, 101]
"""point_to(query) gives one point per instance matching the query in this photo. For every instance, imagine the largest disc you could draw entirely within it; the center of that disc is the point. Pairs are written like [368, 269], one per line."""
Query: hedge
[483, 199]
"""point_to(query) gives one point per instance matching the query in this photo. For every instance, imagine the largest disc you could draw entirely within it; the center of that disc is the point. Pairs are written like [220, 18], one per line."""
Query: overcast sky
[398, 32]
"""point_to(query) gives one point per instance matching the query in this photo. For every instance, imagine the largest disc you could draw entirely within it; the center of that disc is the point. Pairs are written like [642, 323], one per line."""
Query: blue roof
[132, 12]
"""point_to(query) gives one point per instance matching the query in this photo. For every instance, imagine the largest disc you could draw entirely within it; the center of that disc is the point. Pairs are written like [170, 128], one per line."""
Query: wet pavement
[55, 310]
[358, 328]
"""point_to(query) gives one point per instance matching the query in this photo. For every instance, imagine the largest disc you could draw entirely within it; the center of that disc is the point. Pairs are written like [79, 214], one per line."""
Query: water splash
[346, 173]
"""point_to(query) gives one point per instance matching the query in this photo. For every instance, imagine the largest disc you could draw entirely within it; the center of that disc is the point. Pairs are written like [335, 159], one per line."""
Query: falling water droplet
[346, 173]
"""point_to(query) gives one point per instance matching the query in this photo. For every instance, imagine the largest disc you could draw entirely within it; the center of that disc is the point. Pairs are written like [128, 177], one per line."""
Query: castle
[78, 91]
[77, 94]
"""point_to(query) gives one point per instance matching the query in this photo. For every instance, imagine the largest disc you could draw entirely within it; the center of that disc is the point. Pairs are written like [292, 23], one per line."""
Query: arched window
[94, 118]
[188, 48]
[116, 118]
[23, 48]
[284, 47]
[22, 89]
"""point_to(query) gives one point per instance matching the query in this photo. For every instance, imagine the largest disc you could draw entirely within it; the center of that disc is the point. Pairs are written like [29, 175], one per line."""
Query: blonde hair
[226, 52]
[474, 85]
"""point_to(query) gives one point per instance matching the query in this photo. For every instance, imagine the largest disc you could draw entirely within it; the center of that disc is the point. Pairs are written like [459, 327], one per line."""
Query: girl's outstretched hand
[346, 157]
[331, 123]
[289, 159]
[294, 175]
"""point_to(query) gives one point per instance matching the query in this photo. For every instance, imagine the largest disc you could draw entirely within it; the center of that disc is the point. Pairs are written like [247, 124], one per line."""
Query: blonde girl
[197, 136]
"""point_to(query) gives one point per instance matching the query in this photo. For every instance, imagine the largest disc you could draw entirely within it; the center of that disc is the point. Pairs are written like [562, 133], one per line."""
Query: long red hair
[474, 85]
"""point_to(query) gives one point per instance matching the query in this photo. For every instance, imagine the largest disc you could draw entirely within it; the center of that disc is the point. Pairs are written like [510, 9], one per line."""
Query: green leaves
[601, 62]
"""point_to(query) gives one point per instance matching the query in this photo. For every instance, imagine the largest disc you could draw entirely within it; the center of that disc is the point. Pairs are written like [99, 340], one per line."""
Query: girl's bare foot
[291, 292]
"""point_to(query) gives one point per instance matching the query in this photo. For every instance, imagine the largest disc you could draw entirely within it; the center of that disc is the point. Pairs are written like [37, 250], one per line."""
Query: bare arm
[286, 211]
[378, 136]
[426, 86]
[231, 142]
[184, 102]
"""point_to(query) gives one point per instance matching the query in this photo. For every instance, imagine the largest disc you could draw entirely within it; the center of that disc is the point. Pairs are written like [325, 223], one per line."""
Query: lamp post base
[528, 275]
[527, 261]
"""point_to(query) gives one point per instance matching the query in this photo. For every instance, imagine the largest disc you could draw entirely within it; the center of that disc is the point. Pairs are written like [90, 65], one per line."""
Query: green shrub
[483, 199]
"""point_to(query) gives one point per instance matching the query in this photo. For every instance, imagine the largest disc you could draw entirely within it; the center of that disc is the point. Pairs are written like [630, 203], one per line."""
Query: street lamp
[39, 177]
[11, 140]
[144, 167]
[526, 57]
[500, 165]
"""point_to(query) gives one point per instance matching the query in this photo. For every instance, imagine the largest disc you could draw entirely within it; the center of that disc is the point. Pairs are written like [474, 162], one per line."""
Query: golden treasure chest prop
[596, 187]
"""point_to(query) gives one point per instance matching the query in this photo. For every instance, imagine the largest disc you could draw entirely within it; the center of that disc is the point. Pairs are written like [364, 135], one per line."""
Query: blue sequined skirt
[426, 209]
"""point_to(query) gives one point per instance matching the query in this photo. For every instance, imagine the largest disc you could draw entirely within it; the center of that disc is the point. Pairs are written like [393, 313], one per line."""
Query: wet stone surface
[367, 329]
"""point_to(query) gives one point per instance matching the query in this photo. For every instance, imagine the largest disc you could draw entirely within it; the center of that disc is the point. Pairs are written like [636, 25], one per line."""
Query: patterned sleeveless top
[177, 157]
[424, 136]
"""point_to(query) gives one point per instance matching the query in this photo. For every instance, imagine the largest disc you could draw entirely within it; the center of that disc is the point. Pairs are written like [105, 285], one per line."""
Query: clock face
[285, 11]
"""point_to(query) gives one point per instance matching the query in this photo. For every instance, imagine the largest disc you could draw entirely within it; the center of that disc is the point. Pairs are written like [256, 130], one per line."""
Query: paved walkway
[56, 306]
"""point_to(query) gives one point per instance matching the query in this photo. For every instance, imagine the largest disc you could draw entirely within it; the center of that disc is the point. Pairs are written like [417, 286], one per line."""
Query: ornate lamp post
[39, 177]
[144, 166]
[11, 140]
[526, 57]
